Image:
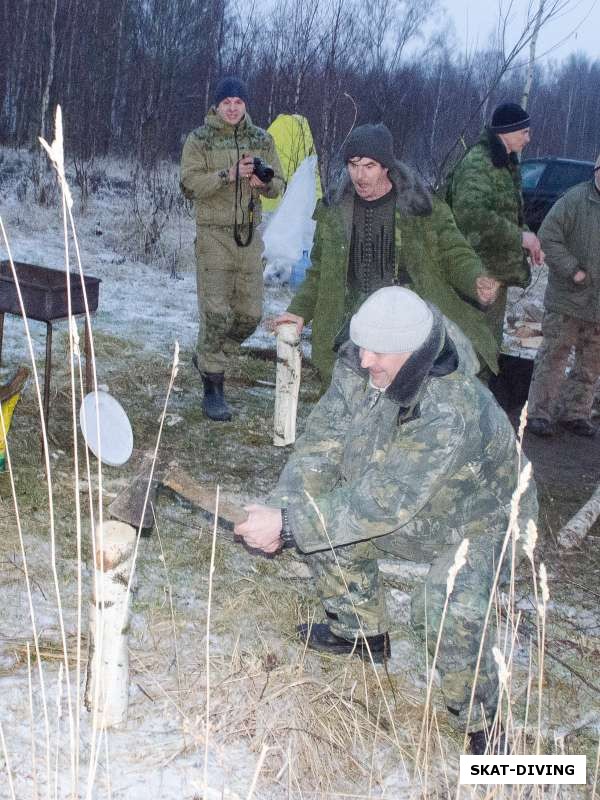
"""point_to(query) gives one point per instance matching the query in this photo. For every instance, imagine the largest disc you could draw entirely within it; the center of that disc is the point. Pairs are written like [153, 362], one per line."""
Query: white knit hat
[391, 320]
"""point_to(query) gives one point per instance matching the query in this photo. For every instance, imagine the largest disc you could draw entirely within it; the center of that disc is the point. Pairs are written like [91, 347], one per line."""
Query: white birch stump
[287, 385]
[107, 684]
[578, 527]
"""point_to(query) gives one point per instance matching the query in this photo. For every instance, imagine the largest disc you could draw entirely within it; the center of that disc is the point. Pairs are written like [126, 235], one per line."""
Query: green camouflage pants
[552, 395]
[229, 281]
[352, 597]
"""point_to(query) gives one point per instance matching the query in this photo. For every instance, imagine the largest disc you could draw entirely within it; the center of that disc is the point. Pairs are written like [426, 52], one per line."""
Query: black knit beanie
[509, 117]
[230, 87]
[370, 141]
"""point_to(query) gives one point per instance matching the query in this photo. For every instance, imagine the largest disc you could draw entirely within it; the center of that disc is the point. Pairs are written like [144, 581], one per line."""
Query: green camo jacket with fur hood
[484, 192]
[441, 265]
[211, 150]
[418, 467]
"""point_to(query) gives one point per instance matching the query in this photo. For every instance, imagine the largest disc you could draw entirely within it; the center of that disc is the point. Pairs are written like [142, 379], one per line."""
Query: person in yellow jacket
[224, 171]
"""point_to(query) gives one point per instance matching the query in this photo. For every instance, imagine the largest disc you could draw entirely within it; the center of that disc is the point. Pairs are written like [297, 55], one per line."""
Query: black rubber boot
[213, 402]
[320, 637]
[580, 427]
[540, 426]
[482, 742]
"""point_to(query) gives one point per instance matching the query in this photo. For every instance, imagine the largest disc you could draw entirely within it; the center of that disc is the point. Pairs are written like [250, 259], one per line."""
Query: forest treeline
[134, 76]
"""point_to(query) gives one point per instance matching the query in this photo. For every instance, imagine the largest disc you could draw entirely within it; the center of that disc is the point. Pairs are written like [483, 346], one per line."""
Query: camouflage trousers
[350, 587]
[229, 282]
[552, 394]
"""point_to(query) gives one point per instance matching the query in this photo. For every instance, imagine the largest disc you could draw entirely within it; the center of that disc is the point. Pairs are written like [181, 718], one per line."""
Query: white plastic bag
[291, 228]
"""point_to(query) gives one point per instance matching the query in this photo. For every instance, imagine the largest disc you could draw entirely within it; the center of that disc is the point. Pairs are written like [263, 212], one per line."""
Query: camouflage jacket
[484, 191]
[570, 236]
[208, 153]
[429, 247]
[431, 460]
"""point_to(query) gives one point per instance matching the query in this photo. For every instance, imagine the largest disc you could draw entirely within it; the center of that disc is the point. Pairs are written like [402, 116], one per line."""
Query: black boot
[213, 402]
[320, 637]
[488, 742]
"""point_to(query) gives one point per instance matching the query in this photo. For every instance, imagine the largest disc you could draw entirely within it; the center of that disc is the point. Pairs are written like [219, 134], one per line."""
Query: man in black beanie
[382, 227]
[485, 194]
[218, 172]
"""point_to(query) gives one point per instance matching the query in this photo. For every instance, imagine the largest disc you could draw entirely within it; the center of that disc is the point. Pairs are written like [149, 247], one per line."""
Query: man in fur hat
[382, 227]
[485, 195]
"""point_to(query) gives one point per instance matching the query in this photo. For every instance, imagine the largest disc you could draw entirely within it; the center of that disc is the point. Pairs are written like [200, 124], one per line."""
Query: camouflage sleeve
[553, 234]
[474, 207]
[305, 299]
[275, 187]
[462, 265]
[390, 491]
[196, 180]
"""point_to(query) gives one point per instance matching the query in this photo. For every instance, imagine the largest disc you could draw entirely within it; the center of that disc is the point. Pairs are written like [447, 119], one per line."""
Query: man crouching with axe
[404, 457]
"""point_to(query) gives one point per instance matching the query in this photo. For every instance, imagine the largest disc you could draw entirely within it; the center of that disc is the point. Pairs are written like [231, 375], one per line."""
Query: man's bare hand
[531, 243]
[487, 289]
[256, 183]
[246, 164]
[286, 317]
[579, 276]
[262, 529]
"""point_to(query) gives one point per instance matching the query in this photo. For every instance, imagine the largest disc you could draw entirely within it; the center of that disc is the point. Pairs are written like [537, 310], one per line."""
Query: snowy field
[266, 720]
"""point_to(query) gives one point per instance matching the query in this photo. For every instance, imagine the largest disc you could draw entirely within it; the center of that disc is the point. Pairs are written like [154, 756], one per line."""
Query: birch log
[578, 527]
[107, 684]
[287, 385]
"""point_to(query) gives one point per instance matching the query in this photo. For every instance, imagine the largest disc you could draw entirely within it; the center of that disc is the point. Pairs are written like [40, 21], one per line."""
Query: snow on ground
[142, 303]
[266, 690]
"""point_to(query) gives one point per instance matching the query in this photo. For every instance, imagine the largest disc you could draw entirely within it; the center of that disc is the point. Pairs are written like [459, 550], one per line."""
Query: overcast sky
[576, 29]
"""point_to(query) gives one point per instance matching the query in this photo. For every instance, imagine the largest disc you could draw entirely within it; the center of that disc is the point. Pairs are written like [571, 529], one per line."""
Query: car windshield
[531, 172]
[561, 176]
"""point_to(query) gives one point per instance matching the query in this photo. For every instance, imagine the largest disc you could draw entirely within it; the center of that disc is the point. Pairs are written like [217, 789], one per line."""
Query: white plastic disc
[115, 444]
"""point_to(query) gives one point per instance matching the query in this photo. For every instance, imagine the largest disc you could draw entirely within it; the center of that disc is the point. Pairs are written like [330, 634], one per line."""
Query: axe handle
[203, 497]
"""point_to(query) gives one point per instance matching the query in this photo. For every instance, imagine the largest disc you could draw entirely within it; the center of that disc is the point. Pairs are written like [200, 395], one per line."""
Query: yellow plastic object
[7, 411]
[9, 397]
[294, 142]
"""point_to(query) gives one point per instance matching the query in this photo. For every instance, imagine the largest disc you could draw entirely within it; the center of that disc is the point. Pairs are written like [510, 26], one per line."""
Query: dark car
[544, 180]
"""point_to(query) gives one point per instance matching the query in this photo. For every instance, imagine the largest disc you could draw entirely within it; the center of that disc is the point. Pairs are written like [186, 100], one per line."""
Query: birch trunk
[578, 527]
[287, 385]
[107, 684]
[532, 51]
[50, 76]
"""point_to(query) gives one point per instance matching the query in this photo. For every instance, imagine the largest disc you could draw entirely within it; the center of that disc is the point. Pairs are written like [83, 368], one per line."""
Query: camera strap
[237, 227]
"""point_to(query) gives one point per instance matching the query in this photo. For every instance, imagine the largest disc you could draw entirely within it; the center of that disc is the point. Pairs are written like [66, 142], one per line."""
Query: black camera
[263, 171]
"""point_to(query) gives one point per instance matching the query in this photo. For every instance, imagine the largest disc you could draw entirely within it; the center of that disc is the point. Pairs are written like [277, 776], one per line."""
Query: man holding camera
[226, 165]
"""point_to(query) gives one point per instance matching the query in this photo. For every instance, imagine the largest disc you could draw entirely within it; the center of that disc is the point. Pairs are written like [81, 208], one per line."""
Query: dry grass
[213, 676]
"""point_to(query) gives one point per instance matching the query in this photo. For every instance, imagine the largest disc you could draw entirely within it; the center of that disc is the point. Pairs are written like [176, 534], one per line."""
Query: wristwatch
[287, 537]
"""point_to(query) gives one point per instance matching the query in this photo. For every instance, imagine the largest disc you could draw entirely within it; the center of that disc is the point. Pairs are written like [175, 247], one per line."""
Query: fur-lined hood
[413, 199]
[436, 357]
[500, 157]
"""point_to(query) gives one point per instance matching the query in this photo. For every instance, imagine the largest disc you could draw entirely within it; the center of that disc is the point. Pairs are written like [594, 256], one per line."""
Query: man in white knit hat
[405, 457]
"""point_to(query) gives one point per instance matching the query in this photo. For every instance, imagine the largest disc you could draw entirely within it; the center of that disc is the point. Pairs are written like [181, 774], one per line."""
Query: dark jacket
[441, 264]
[570, 237]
